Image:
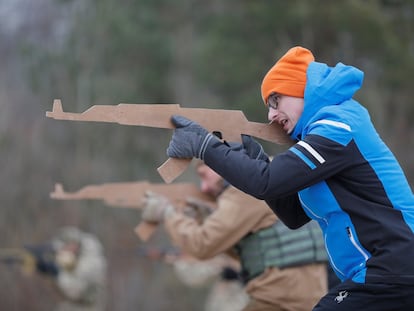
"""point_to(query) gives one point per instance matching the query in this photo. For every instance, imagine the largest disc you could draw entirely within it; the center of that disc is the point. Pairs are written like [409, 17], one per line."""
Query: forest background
[209, 54]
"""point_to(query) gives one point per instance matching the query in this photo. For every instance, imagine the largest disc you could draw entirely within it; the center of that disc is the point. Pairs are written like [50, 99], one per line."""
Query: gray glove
[253, 149]
[189, 139]
[156, 207]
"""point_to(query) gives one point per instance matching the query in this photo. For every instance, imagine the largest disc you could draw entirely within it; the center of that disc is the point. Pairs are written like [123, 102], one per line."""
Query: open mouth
[284, 123]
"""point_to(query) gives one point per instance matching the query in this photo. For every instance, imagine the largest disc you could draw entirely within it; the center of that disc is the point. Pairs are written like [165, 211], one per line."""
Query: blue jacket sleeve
[288, 172]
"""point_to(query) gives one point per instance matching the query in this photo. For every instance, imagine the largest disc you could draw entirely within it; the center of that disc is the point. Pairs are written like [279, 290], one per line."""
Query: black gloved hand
[44, 256]
[230, 274]
[253, 149]
[47, 267]
[189, 139]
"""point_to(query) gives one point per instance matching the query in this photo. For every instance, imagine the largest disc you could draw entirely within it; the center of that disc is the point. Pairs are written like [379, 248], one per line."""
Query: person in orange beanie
[338, 172]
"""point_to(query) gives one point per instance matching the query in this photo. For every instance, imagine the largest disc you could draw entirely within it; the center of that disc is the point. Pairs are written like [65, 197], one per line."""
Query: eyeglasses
[273, 101]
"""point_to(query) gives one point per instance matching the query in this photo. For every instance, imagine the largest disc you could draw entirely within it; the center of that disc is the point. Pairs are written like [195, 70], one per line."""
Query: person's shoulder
[241, 198]
[336, 122]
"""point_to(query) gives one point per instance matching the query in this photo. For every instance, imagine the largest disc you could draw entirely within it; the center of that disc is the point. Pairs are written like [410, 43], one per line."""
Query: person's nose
[272, 114]
[203, 187]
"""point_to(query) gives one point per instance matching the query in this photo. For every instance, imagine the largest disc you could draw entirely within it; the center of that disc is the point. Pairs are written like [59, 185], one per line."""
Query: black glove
[253, 149]
[44, 256]
[230, 274]
[189, 139]
[47, 267]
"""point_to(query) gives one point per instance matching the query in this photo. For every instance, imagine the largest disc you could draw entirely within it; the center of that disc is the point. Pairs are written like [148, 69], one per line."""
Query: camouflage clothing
[83, 282]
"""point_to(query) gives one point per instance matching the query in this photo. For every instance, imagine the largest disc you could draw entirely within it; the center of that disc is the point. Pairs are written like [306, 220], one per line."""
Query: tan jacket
[238, 214]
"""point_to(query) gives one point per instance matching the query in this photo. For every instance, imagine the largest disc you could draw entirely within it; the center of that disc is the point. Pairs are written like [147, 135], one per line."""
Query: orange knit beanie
[288, 75]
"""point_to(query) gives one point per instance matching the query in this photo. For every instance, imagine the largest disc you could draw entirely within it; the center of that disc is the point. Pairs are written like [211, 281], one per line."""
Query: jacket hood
[326, 86]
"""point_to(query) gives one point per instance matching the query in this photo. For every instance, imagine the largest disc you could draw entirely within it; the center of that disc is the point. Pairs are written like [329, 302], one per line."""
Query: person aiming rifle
[281, 269]
[339, 173]
[74, 261]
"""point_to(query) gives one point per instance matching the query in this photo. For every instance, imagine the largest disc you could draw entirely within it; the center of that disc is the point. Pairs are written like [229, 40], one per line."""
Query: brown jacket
[238, 214]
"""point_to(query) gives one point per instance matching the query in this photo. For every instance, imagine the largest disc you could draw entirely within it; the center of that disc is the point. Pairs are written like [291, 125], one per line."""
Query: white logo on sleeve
[341, 296]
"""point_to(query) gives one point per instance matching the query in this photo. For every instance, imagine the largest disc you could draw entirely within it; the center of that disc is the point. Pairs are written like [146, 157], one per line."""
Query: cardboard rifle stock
[230, 123]
[131, 195]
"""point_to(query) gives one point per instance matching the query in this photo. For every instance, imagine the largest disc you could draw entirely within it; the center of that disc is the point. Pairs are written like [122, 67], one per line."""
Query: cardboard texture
[132, 194]
[230, 123]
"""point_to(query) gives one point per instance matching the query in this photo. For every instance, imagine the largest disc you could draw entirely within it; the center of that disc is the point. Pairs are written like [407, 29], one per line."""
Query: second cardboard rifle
[132, 194]
[229, 123]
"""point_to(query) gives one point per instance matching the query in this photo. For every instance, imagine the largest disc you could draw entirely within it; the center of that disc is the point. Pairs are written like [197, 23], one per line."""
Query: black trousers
[349, 296]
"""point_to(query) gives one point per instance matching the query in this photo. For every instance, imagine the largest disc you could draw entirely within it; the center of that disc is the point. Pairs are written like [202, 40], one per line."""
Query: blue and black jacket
[339, 173]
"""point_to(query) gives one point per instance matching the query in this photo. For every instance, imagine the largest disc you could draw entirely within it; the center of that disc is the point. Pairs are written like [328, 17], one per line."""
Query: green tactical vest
[279, 246]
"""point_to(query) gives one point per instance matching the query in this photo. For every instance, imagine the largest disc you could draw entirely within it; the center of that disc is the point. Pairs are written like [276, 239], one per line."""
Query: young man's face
[210, 182]
[288, 111]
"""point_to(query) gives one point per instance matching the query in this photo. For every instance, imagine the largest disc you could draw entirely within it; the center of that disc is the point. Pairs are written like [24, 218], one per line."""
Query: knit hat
[288, 75]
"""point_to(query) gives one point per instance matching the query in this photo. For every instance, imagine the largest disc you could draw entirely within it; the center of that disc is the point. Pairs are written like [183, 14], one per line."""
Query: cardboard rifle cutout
[132, 194]
[230, 123]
